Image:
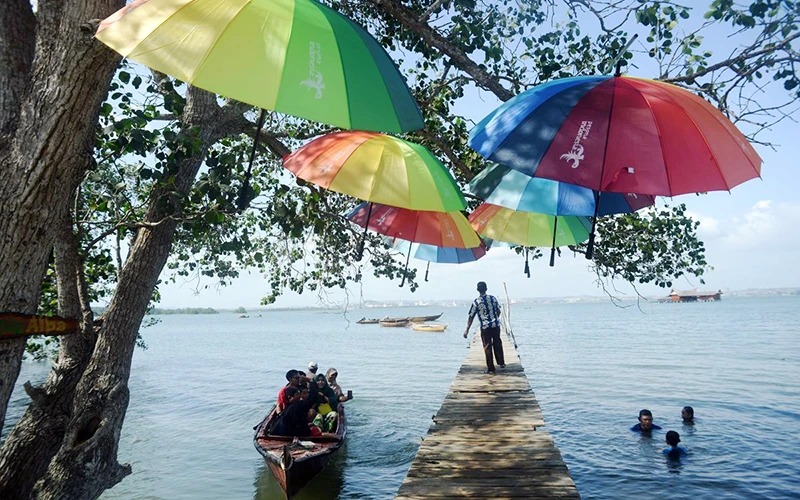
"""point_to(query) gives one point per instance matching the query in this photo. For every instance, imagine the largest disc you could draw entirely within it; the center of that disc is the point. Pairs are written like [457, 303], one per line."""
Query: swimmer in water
[674, 452]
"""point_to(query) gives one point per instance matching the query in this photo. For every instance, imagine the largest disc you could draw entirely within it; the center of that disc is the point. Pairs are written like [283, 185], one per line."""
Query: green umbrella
[294, 56]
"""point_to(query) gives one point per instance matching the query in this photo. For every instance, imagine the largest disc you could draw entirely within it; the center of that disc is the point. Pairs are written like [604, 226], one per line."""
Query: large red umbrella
[618, 134]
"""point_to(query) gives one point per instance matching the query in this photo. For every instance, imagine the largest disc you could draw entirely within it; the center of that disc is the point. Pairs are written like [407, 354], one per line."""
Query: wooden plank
[486, 440]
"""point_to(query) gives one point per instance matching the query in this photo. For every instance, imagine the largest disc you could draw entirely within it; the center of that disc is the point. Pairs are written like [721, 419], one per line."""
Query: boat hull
[304, 465]
[422, 327]
[298, 476]
[421, 319]
[395, 323]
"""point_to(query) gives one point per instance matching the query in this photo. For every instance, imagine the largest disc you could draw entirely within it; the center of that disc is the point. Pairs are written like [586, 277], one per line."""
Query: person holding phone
[331, 376]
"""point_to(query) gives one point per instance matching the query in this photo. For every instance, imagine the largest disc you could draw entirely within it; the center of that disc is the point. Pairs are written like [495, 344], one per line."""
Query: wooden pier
[488, 440]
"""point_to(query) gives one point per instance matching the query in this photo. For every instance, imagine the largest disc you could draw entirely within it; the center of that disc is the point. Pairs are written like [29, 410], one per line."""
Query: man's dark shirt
[294, 419]
[638, 428]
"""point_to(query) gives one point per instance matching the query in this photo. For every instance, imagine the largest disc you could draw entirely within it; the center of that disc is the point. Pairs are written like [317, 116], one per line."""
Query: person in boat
[674, 452]
[312, 370]
[331, 376]
[487, 309]
[645, 425]
[293, 380]
[305, 394]
[327, 402]
[687, 415]
[294, 418]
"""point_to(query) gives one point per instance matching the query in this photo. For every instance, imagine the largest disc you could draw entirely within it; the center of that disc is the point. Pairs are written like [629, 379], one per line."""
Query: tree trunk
[34, 440]
[86, 464]
[46, 156]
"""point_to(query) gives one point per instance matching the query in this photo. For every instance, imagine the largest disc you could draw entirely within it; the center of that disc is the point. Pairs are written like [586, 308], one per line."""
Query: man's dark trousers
[491, 340]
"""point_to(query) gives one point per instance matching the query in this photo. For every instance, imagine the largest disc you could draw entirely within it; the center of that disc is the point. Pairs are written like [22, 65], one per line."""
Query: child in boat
[674, 452]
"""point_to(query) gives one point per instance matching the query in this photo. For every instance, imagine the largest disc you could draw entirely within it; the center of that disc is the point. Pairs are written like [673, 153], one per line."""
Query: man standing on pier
[488, 310]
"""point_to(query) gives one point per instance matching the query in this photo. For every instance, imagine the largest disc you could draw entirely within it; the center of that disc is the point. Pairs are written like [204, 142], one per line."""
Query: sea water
[204, 381]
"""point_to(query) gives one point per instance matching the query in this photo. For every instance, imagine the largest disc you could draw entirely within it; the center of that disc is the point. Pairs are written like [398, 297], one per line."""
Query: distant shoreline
[373, 304]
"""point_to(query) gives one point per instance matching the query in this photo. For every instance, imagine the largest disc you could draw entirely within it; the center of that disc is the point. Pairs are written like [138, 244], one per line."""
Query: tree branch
[430, 36]
[729, 63]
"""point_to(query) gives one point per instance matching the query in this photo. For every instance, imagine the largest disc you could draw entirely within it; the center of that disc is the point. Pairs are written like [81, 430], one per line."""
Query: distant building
[693, 296]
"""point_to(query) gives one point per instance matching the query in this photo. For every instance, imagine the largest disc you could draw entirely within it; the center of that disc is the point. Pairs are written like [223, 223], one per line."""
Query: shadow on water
[326, 486]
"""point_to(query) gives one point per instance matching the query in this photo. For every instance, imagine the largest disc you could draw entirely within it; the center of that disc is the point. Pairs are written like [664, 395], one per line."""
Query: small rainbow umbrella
[618, 134]
[294, 56]
[449, 230]
[440, 255]
[512, 189]
[529, 229]
[378, 168]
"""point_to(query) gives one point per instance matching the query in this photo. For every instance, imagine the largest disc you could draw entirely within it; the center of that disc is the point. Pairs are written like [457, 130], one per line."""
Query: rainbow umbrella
[449, 230]
[512, 189]
[529, 229]
[294, 56]
[618, 134]
[378, 168]
[439, 255]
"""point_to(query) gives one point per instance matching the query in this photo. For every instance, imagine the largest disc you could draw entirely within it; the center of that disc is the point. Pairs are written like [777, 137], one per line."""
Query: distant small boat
[244, 316]
[365, 321]
[294, 463]
[429, 327]
[396, 322]
[422, 319]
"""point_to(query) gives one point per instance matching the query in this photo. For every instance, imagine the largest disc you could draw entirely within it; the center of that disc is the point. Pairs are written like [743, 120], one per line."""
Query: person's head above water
[687, 414]
[481, 287]
[673, 438]
[646, 420]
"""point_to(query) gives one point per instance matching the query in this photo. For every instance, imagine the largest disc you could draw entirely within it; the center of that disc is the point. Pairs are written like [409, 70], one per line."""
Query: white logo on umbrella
[315, 80]
[575, 155]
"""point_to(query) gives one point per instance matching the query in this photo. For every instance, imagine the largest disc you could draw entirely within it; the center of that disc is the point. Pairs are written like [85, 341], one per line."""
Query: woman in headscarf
[328, 401]
[331, 375]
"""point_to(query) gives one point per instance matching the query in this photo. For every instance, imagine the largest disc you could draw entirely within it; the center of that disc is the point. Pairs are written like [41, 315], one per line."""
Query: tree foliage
[295, 233]
[154, 133]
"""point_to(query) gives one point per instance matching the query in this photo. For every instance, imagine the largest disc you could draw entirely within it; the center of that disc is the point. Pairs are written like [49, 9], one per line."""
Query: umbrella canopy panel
[378, 168]
[512, 189]
[431, 228]
[441, 255]
[294, 56]
[529, 229]
[618, 134]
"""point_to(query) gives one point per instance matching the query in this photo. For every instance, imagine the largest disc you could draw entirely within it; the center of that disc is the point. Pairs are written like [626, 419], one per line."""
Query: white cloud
[765, 225]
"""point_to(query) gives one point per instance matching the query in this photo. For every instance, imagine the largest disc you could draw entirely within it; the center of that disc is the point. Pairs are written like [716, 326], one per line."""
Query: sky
[751, 235]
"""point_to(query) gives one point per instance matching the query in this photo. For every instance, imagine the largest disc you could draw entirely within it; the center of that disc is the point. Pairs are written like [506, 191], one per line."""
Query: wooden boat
[422, 319]
[429, 327]
[395, 322]
[365, 321]
[293, 464]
